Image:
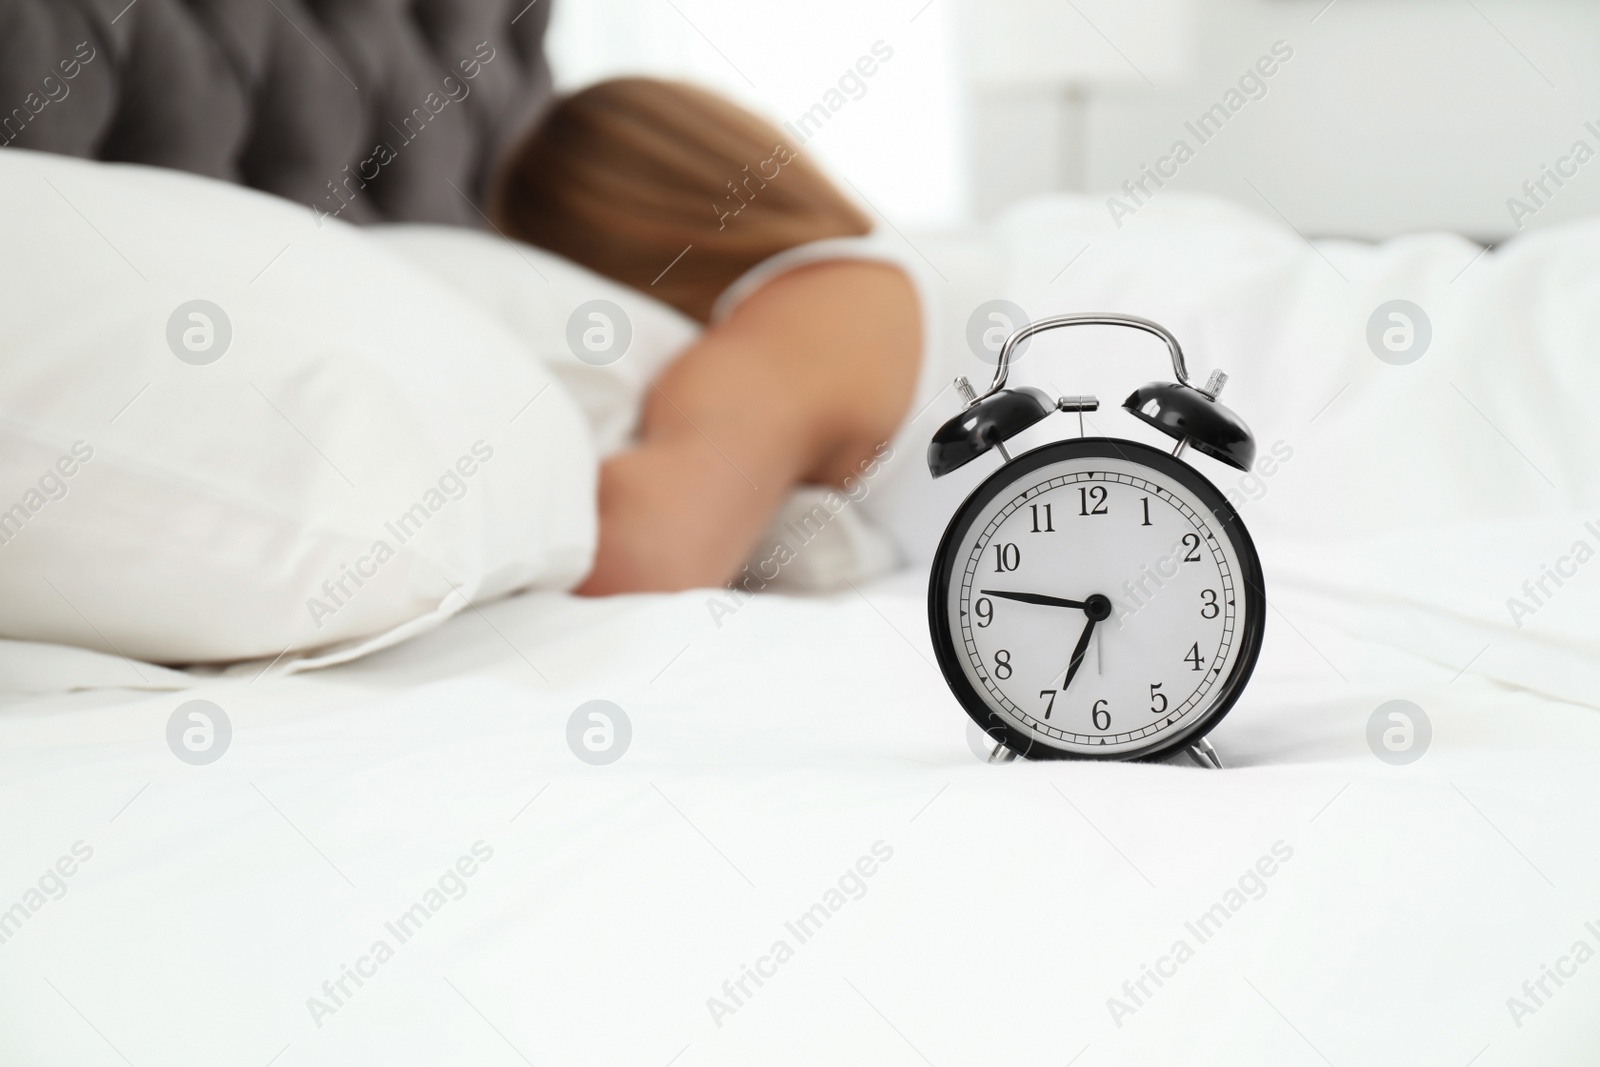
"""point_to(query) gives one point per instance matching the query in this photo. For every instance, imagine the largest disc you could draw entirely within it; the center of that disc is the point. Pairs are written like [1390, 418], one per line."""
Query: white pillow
[605, 356]
[363, 453]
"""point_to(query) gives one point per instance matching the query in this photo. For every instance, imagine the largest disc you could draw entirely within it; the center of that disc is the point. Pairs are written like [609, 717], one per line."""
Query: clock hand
[1035, 598]
[1078, 651]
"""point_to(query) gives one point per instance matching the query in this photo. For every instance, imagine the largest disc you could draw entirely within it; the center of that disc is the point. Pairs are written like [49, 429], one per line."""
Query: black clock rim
[1232, 527]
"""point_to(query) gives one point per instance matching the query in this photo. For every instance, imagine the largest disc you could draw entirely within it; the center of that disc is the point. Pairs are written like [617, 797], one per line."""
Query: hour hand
[1077, 653]
[1036, 598]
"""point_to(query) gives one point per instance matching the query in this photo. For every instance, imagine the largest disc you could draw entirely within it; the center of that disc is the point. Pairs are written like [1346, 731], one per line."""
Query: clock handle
[1002, 367]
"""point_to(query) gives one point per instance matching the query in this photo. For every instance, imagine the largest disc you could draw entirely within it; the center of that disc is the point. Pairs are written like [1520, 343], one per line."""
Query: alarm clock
[1096, 598]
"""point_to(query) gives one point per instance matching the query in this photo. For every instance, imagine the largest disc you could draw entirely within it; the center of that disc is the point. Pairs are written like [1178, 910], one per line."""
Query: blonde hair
[625, 175]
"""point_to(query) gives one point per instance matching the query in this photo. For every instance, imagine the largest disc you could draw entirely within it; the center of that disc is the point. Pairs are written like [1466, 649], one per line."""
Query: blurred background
[1392, 116]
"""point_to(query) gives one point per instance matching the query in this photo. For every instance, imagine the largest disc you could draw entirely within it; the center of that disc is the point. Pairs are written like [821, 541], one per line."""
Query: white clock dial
[1097, 605]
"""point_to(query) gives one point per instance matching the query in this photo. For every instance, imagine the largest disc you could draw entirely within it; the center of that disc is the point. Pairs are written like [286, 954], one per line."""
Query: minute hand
[1036, 598]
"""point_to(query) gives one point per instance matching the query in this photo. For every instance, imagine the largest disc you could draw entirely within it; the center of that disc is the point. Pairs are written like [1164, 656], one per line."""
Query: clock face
[1096, 598]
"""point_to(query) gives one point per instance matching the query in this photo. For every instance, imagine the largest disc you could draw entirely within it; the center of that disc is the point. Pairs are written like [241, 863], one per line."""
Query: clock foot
[1204, 755]
[1002, 754]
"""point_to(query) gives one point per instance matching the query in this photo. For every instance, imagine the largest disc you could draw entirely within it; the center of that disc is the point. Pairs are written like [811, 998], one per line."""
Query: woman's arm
[799, 385]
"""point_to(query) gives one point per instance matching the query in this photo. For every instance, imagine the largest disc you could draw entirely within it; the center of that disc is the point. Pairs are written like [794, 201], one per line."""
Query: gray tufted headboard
[365, 109]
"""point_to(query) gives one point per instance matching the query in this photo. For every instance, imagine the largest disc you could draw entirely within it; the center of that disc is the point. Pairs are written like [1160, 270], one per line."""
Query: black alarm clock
[1096, 598]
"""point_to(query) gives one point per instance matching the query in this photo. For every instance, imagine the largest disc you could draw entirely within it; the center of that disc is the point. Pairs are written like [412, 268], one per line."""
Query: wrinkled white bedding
[769, 755]
[1438, 491]
[783, 746]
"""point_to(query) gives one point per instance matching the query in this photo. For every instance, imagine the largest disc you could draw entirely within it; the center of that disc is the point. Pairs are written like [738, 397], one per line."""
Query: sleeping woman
[813, 329]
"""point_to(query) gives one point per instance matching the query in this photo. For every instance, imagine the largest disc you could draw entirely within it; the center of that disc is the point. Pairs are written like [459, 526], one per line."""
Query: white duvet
[401, 860]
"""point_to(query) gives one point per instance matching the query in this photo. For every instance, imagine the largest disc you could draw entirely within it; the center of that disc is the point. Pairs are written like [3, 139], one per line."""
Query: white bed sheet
[769, 754]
